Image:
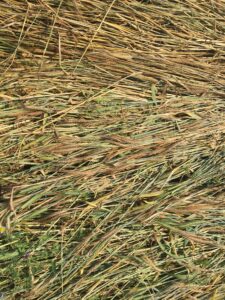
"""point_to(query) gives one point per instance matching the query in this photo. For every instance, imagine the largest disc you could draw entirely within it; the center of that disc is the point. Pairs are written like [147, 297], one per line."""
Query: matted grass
[112, 149]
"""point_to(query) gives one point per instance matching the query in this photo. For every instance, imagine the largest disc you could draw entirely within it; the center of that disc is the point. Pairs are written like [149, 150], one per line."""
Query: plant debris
[112, 158]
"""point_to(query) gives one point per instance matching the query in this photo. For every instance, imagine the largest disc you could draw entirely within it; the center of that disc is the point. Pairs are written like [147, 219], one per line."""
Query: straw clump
[112, 149]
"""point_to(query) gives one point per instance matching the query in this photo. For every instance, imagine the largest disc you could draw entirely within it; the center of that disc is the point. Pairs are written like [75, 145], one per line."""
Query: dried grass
[112, 158]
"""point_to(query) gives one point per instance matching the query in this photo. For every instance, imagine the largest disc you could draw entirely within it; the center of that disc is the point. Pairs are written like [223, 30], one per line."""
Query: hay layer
[112, 147]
